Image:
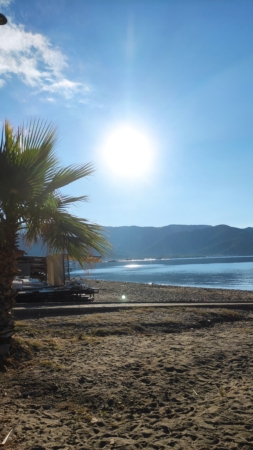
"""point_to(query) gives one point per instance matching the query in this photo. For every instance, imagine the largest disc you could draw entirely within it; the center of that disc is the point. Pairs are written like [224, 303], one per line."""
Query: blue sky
[156, 93]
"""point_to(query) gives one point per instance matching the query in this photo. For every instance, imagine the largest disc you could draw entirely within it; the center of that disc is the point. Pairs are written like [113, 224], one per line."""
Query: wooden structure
[33, 267]
[52, 269]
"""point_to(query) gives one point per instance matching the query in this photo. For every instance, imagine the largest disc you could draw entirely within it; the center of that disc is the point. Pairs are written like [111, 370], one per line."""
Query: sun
[128, 152]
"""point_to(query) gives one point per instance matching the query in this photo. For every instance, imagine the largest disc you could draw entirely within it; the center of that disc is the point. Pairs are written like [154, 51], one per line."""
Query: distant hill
[173, 241]
[180, 241]
[134, 242]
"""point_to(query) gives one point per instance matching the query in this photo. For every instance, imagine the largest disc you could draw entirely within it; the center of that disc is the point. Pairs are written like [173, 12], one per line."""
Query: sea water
[225, 273]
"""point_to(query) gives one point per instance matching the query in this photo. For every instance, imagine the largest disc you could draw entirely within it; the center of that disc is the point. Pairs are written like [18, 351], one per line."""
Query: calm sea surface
[226, 273]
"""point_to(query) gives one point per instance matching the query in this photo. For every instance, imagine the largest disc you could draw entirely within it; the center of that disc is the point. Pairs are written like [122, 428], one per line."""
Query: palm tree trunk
[8, 270]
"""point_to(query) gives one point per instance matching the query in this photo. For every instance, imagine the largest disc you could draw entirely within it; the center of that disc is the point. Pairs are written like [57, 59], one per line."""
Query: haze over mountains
[180, 241]
[173, 241]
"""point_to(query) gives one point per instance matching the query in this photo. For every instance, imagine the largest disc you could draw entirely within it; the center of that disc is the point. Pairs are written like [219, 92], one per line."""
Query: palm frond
[65, 200]
[68, 175]
[76, 236]
[25, 170]
[30, 179]
[37, 134]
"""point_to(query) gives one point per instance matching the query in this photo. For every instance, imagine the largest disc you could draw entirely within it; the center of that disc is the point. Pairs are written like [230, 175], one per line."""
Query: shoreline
[230, 273]
[96, 280]
[201, 259]
[112, 291]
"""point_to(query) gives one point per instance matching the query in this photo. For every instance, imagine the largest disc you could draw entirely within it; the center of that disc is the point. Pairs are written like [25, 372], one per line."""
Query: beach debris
[94, 420]
[195, 392]
[7, 437]
[97, 422]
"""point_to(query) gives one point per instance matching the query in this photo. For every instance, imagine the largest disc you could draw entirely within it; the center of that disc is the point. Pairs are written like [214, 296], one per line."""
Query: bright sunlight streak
[128, 152]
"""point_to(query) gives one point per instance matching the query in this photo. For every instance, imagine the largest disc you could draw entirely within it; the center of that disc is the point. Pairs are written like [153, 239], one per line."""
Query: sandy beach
[144, 378]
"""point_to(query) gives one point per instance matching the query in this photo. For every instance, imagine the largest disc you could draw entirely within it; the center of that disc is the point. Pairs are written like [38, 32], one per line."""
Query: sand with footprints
[146, 378]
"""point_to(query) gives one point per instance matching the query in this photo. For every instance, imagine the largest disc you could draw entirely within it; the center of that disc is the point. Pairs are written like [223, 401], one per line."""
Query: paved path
[28, 310]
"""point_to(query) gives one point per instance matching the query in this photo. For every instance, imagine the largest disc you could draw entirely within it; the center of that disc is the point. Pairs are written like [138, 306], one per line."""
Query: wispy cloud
[32, 58]
[68, 87]
[4, 3]
[49, 99]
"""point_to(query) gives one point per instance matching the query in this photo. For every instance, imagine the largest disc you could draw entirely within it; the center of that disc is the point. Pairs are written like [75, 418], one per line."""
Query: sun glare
[128, 152]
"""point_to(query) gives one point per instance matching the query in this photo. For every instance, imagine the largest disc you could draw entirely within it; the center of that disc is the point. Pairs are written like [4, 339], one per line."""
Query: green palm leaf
[68, 175]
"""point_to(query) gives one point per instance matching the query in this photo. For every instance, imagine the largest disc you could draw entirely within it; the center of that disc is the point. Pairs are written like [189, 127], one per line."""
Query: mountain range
[172, 241]
[180, 241]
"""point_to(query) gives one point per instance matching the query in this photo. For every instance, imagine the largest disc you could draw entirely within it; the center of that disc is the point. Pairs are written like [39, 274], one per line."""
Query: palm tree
[31, 203]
